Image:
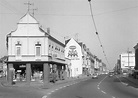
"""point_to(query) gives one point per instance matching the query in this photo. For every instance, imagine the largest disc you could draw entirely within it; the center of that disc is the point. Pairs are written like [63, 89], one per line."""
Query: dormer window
[38, 49]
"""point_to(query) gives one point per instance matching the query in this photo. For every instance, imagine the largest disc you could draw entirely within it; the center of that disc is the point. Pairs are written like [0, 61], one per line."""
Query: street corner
[6, 84]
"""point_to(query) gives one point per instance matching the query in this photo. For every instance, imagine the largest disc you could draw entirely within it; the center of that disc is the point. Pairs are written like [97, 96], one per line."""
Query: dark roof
[66, 41]
[55, 40]
[80, 43]
[51, 37]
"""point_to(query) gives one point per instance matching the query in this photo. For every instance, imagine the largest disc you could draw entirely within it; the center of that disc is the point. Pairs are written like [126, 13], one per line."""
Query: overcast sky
[116, 21]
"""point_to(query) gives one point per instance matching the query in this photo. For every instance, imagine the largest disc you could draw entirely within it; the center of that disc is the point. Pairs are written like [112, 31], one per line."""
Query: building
[127, 61]
[89, 62]
[74, 53]
[33, 51]
[96, 64]
[3, 66]
[136, 56]
[118, 66]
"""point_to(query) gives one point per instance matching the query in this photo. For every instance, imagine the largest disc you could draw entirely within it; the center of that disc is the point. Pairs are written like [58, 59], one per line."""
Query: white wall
[28, 48]
[76, 62]
[125, 60]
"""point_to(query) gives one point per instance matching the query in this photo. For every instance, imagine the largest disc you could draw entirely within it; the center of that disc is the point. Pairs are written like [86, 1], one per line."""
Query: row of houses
[34, 54]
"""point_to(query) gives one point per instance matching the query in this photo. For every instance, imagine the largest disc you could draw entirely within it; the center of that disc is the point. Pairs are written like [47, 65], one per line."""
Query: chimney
[48, 31]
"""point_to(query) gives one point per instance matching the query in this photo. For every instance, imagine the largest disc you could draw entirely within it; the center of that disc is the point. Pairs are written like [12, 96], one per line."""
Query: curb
[127, 78]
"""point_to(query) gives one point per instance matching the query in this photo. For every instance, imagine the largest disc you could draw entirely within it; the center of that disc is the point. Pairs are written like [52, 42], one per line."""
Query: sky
[116, 22]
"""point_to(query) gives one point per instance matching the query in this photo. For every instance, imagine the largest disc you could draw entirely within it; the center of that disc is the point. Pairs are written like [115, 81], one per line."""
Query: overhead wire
[97, 32]
[8, 5]
[103, 13]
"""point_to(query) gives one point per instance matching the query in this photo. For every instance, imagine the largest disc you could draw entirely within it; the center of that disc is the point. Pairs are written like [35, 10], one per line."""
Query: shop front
[35, 71]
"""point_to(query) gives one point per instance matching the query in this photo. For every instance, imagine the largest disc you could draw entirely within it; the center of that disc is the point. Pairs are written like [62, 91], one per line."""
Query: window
[38, 49]
[18, 51]
[18, 48]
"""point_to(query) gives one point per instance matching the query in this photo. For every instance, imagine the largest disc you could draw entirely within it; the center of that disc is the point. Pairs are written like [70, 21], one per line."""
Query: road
[103, 87]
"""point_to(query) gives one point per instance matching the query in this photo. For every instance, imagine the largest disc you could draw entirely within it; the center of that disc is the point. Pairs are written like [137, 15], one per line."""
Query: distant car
[94, 76]
[106, 73]
[111, 74]
[125, 73]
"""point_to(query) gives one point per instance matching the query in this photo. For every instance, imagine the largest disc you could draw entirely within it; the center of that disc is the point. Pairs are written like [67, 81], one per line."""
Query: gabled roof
[28, 19]
[66, 41]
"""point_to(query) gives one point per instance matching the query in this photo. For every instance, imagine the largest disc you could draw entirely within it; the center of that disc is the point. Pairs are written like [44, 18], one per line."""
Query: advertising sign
[72, 53]
[127, 60]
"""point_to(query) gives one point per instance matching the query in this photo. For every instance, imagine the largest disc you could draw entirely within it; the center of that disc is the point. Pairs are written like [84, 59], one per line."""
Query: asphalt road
[103, 87]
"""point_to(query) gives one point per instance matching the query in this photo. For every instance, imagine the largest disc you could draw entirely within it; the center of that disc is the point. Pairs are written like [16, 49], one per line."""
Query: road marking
[56, 89]
[121, 81]
[102, 90]
[45, 96]
[99, 85]
[52, 91]
[124, 83]
[49, 93]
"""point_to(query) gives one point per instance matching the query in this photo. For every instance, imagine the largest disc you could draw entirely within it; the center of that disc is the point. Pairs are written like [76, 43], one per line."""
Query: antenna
[28, 4]
[34, 10]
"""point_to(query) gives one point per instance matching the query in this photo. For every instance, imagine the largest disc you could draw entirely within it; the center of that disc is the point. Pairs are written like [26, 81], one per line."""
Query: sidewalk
[39, 84]
[131, 79]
